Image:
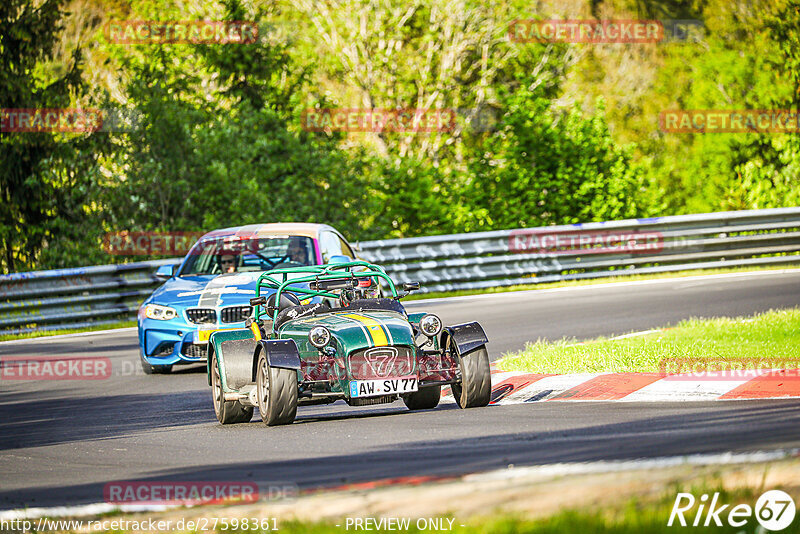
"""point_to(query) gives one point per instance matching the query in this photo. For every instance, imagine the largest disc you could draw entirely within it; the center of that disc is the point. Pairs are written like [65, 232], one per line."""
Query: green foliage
[769, 166]
[257, 170]
[554, 167]
[45, 177]
[219, 142]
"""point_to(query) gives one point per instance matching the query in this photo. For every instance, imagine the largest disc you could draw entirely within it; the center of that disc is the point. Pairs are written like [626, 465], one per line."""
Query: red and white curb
[516, 387]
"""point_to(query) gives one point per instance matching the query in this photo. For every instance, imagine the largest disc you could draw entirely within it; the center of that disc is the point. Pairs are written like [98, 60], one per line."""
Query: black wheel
[228, 412]
[424, 399]
[277, 393]
[153, 369]
[475, 388]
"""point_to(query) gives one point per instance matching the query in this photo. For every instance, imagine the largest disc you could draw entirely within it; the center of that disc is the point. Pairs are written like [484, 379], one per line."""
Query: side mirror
[255, 301]
[332, 284]
[166, 271]
[337, 258]
[411, 286]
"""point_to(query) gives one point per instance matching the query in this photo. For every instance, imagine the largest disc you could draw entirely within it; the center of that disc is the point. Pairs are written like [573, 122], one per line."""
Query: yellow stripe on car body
[374, 328]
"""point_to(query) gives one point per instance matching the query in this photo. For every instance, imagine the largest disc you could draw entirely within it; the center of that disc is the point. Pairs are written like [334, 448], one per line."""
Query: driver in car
[297, 251]
[227, 263]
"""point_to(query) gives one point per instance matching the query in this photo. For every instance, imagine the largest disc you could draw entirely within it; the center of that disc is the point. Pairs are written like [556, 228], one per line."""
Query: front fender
[281, 353]
[467, 337]
[233, 351]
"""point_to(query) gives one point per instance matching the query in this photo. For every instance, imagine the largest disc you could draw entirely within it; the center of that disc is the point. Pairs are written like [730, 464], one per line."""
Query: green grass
[45, 333]
[593, 281]
[771, 337]
[635, 519]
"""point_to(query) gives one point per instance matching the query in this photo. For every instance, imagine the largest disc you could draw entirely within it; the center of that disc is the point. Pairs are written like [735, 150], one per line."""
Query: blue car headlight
[160, 313]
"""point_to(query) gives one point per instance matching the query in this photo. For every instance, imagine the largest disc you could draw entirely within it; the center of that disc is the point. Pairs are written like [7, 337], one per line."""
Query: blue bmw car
[211, 288]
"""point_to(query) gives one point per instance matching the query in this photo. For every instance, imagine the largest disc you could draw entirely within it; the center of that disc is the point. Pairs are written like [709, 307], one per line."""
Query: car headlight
[319, 336]
[430, 325]
[161, 313]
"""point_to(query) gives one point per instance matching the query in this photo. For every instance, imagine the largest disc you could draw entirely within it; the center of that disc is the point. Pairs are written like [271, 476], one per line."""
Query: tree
[432, 54]
[547, 166]
[45, 177]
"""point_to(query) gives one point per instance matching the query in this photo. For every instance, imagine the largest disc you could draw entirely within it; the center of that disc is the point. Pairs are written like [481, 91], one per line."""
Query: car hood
[207, 291]
[354, 330]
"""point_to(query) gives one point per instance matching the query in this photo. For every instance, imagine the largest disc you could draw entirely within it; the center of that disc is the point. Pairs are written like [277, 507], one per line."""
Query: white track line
[580, 468]
[548, 387]
[683, 390]
[77, 334]
[610, 285]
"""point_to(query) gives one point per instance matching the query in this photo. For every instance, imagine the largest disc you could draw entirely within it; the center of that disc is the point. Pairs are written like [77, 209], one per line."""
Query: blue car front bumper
[174, 341]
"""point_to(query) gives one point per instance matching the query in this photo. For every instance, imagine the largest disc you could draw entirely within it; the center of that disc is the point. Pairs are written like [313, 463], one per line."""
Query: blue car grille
[235, 314]
[202, 315]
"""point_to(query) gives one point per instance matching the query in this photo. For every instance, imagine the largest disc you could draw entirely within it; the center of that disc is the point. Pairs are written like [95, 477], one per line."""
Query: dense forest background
[560, 133]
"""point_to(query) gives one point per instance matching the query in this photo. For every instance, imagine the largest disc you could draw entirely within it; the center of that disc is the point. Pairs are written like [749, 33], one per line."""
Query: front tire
[277, 393]
[424, 399]
[228, 412]
[475, 388]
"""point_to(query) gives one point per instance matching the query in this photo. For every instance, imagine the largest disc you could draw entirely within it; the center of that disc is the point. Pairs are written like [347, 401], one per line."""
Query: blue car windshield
[233, 254]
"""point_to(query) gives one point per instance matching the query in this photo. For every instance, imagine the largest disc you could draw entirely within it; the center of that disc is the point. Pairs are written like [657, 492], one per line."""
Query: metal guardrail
[75, 298]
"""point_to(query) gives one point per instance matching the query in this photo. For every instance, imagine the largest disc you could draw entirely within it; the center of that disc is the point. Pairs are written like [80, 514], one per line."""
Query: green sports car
[322, 334]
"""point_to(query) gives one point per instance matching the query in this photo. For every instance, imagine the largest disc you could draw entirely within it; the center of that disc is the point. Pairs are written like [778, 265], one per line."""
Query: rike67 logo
[774, 510]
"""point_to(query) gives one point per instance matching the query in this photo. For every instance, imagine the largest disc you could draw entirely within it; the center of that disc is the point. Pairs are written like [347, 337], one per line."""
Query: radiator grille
[235, 314]
[195, 351]
[381, 362]
[202, 315]
[371, 401]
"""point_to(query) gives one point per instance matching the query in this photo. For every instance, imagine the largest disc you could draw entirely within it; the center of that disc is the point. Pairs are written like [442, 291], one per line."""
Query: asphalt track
[62, 441]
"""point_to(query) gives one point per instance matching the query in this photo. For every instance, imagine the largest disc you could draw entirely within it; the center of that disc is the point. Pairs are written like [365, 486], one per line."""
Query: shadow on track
[29, 421]
[712, 428]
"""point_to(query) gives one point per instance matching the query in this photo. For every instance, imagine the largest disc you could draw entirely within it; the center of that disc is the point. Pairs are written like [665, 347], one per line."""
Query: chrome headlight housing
[430, 325]
[160, 313]
[319, 336]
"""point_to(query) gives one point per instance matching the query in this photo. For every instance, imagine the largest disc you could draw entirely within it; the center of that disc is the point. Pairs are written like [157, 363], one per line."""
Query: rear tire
[475, 388]
[228, 412]
[277, 393]
[424, 399]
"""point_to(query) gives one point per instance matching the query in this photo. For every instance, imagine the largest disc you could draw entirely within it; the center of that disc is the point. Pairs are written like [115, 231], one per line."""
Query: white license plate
[384, 386]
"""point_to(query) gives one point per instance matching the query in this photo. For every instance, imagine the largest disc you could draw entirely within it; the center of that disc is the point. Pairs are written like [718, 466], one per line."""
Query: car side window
[330, 245]
[346, 250]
